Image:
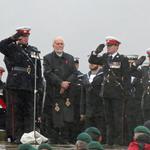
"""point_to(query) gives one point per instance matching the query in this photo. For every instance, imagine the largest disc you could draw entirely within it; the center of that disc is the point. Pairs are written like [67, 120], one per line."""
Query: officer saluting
[19, 61]
[116, 70]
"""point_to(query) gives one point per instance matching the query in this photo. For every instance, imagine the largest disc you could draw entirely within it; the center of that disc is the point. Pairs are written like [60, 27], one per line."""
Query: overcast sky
[83, 23]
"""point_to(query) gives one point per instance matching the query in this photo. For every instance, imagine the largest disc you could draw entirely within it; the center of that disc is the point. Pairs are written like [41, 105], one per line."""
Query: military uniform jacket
[136, 82]
[77, 85]
[146, 78]
[91, 103]
[20, 65]
[117, 76]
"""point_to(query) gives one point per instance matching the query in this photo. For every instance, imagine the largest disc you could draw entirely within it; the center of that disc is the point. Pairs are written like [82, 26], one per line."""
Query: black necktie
[109, 59]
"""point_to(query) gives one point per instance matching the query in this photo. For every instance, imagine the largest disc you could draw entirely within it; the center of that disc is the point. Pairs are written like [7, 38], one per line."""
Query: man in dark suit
[59, 72]
[20, 63]
[117, 81]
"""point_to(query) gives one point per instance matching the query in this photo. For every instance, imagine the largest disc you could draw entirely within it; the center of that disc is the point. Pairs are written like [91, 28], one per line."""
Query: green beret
[93, 132]
[44, 146]
[141, 129]
[95, 146]
[26, 147]
[84, 137]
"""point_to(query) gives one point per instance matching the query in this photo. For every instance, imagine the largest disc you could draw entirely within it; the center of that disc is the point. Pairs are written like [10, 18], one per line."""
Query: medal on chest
[57, 108]
[67, 103]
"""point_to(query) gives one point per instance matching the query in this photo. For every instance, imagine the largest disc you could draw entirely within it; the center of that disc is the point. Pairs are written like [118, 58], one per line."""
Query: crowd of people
[113, 96]
[91, 139]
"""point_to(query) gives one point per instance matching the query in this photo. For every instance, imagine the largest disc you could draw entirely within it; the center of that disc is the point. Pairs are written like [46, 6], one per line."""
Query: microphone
[139, 61]
[99, 49]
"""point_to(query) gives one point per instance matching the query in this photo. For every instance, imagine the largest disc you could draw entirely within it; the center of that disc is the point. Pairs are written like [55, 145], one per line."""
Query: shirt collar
[114, 54]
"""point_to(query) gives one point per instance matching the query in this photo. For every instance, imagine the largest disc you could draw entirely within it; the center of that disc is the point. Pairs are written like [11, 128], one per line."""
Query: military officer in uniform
[117, 80]
[134, 103]
[76, 93]
[91, 103]
[145, 102]
[20, 63]
[59, 72]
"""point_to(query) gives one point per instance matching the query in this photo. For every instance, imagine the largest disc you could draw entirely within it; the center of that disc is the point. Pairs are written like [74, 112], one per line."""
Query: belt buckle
[29, 70]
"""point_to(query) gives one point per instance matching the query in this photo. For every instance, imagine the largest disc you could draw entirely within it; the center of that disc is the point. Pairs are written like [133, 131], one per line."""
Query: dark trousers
[57, 135]
[134, 117]
[114, 120]
[146, 107]
[20, 107]
[2, 118]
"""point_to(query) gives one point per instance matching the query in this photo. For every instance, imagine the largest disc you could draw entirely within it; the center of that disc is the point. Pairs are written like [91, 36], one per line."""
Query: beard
[94, 68]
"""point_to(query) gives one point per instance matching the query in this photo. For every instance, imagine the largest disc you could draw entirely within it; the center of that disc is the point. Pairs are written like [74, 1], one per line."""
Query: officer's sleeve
[135, 72]
[49, 74]
[4, 46]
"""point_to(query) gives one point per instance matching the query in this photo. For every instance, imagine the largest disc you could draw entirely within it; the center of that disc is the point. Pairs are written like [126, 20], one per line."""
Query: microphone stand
[44, 95]
[36, 57]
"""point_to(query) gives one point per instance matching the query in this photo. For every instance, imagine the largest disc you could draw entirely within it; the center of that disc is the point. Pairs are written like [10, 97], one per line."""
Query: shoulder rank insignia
[67, 103]
[57, 108]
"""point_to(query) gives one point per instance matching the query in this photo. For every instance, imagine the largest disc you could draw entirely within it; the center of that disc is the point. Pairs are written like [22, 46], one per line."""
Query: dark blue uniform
[134, 102]
[91, 103]
[19, 60]
[116, 87]
[76, 94]
[145, 103]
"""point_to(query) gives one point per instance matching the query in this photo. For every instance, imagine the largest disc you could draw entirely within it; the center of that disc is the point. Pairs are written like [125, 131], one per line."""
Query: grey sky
[83, 24]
